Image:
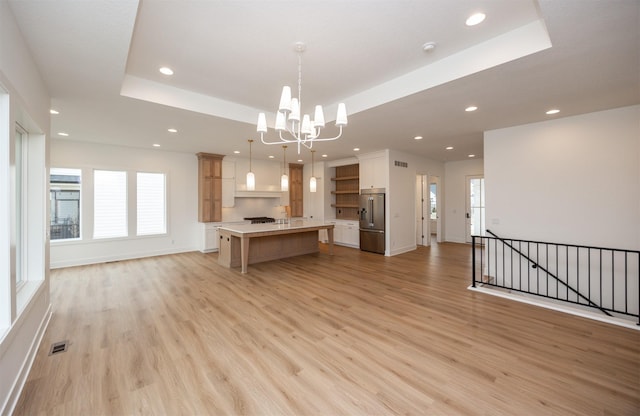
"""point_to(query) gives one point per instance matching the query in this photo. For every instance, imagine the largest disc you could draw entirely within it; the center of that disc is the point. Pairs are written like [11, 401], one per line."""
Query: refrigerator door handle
[371, 217]
[372, 231]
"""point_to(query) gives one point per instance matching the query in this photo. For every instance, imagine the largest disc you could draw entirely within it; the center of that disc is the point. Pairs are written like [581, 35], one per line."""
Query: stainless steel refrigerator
[372, 220]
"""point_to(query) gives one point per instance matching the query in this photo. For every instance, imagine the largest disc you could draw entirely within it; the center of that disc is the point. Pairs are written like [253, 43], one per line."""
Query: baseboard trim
[118, 257]
[558, 307]
[18, 385]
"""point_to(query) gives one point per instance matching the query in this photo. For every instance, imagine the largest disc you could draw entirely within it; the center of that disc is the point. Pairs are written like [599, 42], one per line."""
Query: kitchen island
[244, 244]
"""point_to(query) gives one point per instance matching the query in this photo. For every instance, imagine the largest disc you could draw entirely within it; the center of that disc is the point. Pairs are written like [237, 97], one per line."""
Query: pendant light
[251, 178]
[312, 181]
[284, 179]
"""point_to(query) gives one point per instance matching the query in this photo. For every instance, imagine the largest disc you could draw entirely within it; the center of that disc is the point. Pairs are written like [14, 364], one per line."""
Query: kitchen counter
[244, 244]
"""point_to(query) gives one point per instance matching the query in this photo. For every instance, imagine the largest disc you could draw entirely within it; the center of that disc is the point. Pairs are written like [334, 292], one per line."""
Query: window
[64, 193]
[21, 203]
[151, 211]
[109, 204]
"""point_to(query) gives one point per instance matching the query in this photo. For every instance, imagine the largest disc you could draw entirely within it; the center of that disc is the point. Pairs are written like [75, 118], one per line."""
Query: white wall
[24, 314]
[314, 203]
[571, 180]
[455, 197]
[182, 193]
[401, 197]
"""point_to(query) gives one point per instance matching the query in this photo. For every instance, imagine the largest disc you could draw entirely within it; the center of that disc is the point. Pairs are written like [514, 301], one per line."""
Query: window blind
[151, 206]
[109, 204]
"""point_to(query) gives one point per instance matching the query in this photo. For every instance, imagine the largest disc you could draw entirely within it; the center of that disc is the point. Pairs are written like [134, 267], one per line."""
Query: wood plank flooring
[351, 334]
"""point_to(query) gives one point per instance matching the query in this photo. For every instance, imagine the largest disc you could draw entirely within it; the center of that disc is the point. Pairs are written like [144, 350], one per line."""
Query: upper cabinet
[295, 189]
[374, 170]
[209, 187]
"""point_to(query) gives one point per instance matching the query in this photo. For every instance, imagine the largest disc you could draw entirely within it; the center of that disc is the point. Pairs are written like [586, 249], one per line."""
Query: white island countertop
[293, 224]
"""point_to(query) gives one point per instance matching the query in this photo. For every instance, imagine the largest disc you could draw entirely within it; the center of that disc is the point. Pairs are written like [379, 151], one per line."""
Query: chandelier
[288, 124]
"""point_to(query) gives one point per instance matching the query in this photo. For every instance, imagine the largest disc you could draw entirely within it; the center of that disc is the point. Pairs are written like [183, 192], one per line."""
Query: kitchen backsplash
[253, 207]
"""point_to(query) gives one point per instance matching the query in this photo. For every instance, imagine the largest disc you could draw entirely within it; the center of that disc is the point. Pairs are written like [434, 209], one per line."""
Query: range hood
[258, 194]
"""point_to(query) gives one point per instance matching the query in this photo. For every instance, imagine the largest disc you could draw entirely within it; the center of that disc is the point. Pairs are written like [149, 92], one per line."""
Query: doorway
[428, 208]
[475, 222]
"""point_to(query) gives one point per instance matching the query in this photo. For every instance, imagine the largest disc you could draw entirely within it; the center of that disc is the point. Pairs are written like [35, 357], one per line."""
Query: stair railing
[602, 278]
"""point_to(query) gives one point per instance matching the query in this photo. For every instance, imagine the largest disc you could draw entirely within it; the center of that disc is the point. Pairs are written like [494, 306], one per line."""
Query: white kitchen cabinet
[209, 237]
[373, 170]
[346, 233]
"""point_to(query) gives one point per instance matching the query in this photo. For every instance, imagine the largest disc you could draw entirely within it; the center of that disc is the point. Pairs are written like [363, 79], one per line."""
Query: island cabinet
[209, 187]
[244, 244]
[295, 189]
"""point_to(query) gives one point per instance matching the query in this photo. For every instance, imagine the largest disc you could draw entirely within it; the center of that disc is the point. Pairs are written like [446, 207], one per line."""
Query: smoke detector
[429, 46]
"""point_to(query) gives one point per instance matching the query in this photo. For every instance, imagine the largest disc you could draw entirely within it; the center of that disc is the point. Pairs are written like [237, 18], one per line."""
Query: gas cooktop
[260, 220]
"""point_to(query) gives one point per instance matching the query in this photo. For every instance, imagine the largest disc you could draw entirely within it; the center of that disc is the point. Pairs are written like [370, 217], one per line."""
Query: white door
[475, 224]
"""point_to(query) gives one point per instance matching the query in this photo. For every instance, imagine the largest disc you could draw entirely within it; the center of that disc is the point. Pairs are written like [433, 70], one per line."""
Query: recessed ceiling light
[475, 18]
[52, 111]
[472, 155]
[324, 155]
[236, 152]
[356, 149]
[418, 138]
[553, 111]
[156, 145]
[63, 134]
[300, 160]
[471, 108]
[166, 70]
[449, 147]
[172, 130]
[271, 156]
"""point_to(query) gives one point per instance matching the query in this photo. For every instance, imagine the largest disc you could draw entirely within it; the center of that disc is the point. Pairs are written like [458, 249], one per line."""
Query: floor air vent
[58, 347]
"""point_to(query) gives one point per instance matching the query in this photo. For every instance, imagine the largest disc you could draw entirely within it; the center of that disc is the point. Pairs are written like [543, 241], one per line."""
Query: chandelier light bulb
[281, 123]
[318, 117]
[341, 117]
[295, 110]
[262, 123]
[285, 99]
[306, 125]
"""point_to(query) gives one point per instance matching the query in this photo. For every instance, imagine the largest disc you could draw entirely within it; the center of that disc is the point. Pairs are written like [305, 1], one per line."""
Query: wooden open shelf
[346, 191]
[344, 206]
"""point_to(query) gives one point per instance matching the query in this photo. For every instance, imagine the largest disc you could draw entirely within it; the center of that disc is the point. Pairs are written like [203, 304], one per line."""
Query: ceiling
[100, 61]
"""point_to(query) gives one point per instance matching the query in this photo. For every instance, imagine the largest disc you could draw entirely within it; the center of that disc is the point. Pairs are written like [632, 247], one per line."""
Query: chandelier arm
[327, 139]
[282, 140]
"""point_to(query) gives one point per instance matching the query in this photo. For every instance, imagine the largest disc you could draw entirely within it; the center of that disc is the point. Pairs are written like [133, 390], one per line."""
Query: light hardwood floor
[351, 334]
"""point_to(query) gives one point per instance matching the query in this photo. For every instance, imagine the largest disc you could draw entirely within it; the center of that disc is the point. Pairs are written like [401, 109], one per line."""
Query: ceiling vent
[401, 164]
